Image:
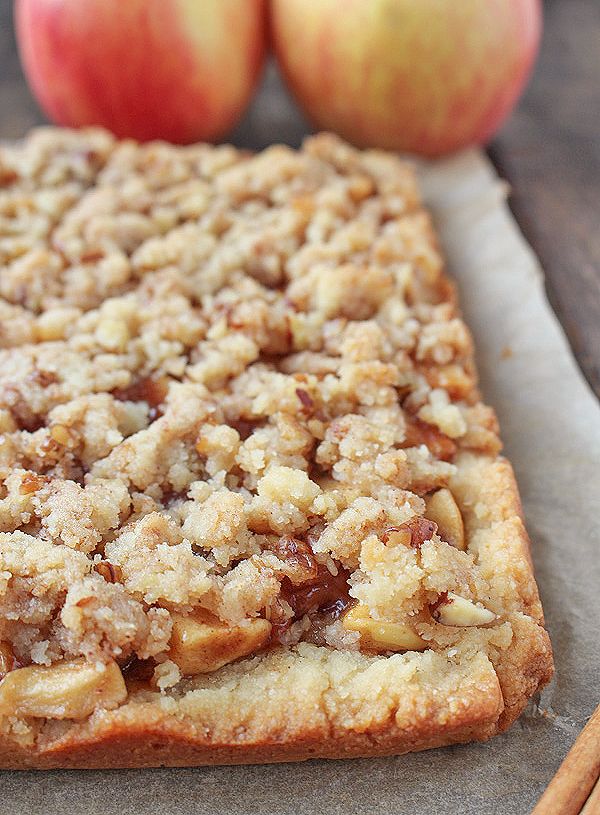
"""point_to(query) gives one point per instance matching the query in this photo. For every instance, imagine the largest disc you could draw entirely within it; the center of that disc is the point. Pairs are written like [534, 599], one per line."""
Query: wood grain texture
[549, 152]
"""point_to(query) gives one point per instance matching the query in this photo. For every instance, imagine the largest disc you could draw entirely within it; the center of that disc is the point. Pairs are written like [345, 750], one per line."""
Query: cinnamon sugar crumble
[223, 380]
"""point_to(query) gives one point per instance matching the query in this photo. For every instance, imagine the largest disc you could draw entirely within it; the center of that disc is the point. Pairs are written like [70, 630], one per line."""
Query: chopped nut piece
[441, 507]
[458, 611]
[92, 256]
[381, 635]
[67, 690]
[32, 482]
[413, 533]
[419, 432]
[202, 643]
[152, 391]
[110, 572]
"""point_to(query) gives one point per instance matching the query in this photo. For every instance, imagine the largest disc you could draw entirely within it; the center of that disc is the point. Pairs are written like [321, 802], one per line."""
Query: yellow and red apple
[429, 76]
[182, 70]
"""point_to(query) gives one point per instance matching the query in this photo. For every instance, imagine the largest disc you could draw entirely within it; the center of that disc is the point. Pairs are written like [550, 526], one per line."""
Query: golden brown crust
[145, 737]
[493, 510]
[298, 720]
[528, 664]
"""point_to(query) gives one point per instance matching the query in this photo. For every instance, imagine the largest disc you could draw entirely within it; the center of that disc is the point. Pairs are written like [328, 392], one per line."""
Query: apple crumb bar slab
[251, 505]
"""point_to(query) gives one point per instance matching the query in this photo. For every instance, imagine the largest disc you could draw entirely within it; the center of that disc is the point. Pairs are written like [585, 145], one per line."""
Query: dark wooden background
[549, 151]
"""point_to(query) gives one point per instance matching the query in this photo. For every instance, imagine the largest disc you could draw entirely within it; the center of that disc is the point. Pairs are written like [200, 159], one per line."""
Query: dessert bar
[252, 507]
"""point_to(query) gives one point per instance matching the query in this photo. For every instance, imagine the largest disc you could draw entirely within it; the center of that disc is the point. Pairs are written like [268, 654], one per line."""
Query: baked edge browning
[486, 698]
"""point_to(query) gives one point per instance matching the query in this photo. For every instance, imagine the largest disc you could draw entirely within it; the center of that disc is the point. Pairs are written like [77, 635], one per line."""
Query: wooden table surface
[549, 151]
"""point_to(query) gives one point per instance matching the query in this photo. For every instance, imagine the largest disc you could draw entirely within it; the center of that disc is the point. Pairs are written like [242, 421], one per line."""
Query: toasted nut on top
[32, 482]
[381, 635]
[458, 611]
[67, 690]
[109, 571]
[201, 643]
[412, 533]
[442, 508]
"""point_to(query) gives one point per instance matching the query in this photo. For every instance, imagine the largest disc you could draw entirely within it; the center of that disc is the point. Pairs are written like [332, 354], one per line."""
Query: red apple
[182, 70]
[429, 76]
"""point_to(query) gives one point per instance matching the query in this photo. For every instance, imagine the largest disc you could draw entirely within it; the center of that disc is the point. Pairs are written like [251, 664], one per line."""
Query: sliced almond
[67, 690]
[441, 507]
[382, 635]
[202, 643]
[458, 611]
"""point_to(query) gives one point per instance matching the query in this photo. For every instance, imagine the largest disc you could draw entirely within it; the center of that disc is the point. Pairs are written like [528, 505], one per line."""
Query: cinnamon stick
[576, 776]
[592, 805]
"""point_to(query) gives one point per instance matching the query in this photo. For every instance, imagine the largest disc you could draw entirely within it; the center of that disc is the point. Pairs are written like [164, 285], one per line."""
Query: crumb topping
[223, 380]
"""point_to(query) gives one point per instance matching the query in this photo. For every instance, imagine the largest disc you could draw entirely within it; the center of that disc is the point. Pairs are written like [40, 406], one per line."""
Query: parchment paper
[551, 428]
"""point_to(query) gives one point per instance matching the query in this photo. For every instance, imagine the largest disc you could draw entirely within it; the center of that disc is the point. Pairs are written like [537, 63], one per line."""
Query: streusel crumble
[241, 442]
